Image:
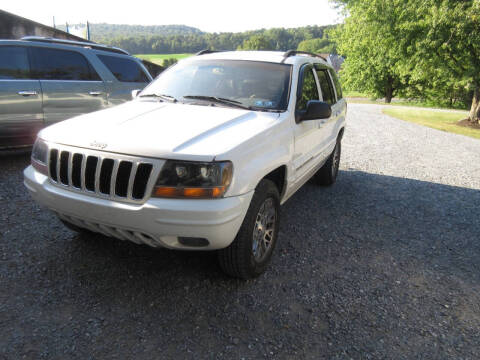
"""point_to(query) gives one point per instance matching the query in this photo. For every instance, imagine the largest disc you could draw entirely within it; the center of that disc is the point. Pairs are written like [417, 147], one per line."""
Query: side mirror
[316, 109]
[135, 93]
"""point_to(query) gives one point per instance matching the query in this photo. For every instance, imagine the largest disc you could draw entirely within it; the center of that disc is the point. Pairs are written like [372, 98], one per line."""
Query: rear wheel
[327, 175]
[249, 254]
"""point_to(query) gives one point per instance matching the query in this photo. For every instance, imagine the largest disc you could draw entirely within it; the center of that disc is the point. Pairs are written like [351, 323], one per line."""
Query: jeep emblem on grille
[98, 144]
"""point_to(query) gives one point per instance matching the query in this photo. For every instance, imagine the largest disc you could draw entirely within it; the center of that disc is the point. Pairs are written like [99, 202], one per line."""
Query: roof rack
[289, 53]
[206, 51]
[76, 43]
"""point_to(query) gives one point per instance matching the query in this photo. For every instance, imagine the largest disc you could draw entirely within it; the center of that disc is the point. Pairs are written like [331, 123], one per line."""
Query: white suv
[201, 159]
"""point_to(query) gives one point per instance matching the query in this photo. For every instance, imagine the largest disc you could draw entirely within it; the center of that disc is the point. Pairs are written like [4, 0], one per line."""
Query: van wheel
[249, 254]
[327, 174]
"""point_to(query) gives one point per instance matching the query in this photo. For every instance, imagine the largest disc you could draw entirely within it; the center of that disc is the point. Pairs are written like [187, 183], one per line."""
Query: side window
[309, 89]
[53, 64]
[124, 70]
[337, 84]
[326, 86]
[14, 62]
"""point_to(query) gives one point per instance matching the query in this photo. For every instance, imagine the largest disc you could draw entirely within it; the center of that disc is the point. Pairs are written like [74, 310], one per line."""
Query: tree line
[191, 42]
[427, 49]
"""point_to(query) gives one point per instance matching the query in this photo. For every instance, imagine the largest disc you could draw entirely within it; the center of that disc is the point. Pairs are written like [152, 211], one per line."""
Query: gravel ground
[383, 265]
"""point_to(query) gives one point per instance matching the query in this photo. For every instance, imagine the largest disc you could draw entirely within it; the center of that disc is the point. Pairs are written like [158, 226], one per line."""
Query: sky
[207, 15]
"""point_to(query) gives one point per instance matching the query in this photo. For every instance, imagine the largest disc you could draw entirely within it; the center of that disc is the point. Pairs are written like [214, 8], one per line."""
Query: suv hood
[150, 128]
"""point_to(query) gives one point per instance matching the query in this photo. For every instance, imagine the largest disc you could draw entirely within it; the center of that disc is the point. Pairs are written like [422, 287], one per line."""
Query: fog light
[192, 241]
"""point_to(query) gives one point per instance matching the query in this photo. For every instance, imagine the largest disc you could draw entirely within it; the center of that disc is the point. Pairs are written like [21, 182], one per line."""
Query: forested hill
[172, 39]
[105, 31]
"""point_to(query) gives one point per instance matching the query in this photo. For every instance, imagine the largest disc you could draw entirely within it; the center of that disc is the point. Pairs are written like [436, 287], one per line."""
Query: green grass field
[354, 94]
[440, 120]
[158, 58]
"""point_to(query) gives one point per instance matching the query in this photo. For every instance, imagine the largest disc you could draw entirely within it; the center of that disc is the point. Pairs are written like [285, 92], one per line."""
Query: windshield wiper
[162, 97]
[218, 100]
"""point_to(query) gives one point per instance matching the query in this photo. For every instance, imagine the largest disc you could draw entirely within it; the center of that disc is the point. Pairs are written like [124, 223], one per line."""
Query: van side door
[21, 115]
[307, 133]
[70, 85]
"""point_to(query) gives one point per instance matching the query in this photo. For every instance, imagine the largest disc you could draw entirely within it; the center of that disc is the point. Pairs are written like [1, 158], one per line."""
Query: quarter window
[309, 89]
[14, 62]
[53, 64]
[326, 86]
[124, 70]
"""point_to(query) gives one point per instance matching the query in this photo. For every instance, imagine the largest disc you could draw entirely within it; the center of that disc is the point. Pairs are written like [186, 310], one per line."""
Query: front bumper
[157, 222]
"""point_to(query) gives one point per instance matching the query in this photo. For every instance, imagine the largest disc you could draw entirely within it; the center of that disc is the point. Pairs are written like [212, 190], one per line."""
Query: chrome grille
[106, 175]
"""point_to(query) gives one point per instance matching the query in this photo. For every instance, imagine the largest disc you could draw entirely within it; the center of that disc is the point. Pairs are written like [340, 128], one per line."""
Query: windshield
[253, 84]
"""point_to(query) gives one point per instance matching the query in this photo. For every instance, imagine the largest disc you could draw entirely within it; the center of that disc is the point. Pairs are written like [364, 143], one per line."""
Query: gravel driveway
[384, 265]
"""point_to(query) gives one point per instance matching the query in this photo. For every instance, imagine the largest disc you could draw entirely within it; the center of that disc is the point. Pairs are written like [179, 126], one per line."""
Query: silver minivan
[46, 80]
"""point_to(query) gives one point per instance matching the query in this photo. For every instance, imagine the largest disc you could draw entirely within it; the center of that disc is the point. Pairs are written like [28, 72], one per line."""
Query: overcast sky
[207, 15]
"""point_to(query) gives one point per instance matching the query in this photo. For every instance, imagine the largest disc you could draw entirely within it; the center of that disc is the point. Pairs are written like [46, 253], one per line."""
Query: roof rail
[76, 43]
[206, 51]
[289, 53]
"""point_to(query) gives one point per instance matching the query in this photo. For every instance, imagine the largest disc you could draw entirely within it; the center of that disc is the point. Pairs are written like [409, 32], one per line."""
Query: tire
[327, 174]
[248, 256]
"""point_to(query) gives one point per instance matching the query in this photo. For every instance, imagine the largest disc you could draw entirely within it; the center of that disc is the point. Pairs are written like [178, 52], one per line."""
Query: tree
[370, 40]
[169, 62]
[318, 46]
[429, 48]
[445, 46]
[256, 42]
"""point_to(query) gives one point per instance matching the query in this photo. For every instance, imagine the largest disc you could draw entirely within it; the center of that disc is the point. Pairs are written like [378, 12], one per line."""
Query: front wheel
[249, 254]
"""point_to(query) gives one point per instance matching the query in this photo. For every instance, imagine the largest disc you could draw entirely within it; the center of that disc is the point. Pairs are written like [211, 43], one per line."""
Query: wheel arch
[279, 177]
[340, 133]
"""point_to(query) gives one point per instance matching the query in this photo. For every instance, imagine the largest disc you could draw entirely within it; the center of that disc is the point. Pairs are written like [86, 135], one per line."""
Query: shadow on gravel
[374, 210]
[375, 265]
[367, 222]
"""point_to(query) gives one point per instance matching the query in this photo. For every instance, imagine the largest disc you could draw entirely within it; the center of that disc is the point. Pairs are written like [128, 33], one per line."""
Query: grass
[158, 58]
[440, 120]
[354, 94]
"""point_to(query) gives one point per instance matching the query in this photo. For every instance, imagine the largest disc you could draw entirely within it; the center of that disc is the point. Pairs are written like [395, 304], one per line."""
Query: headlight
[39, 156]
[182, 179]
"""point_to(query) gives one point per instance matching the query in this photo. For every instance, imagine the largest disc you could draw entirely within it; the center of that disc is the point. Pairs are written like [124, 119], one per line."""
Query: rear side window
[124, 70]
[309, 89]
[337, 84]
[14, 62]
[326, 86]
[53, 64]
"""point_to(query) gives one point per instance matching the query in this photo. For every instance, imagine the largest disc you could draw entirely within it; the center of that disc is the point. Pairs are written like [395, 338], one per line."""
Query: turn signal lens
[192, 193]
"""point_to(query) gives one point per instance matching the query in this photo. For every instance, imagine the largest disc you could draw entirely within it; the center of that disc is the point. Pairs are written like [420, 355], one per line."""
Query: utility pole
[88, 31]
[66, 25]
[54, 22]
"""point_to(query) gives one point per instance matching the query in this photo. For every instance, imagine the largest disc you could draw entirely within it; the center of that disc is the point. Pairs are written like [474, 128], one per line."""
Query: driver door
[308, 134]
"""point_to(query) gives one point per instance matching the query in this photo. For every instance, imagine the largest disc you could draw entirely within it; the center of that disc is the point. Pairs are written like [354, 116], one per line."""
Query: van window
[54, 64]
[124, 70]
[14, 62]
[326, 86]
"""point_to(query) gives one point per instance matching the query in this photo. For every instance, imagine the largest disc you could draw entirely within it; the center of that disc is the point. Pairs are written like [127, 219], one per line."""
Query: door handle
[95, 93]
[27, 92]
